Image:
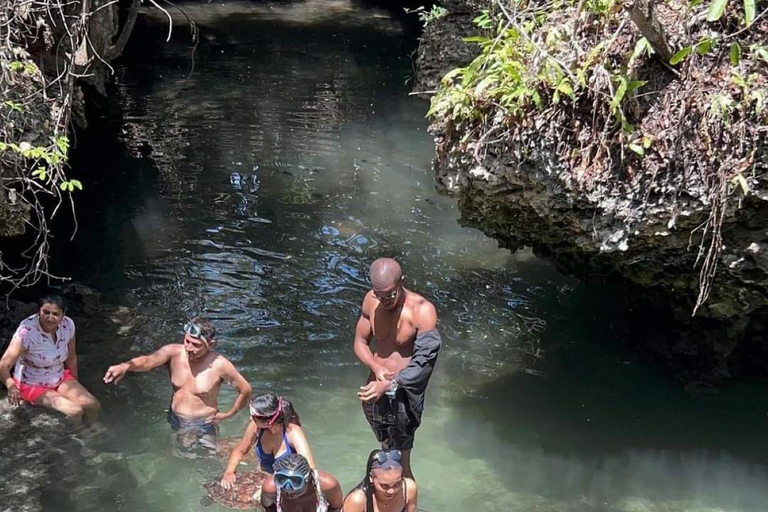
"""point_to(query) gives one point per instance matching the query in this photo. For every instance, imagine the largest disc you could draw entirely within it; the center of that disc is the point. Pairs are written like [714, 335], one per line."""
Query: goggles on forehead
[195, 332]
[290, 481]
[270, 420]
[390, 459]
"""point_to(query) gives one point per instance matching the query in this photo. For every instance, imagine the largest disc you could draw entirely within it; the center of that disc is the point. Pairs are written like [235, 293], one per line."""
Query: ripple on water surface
[289, 159]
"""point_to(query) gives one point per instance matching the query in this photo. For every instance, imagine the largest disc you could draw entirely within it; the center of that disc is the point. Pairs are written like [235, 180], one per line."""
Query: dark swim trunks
[192, 438]
[392, 421]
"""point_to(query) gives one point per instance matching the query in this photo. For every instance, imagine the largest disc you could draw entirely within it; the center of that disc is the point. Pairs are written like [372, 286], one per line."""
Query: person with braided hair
[383, 488]
[275, 430]
[296, 487]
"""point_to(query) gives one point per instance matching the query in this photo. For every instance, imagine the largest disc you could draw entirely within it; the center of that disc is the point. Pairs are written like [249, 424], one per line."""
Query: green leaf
[63, 185]
[716, 9]
[761, 52]
[738, 80]
[679, 56]
[749, 11]
[565, 88]
[741, 181]
[76, 184]
[641, 47]
[476, 39]
[619, 94]
[637, 149]
[735, 54]
[40, 173]
[647, 141]
[703, 46]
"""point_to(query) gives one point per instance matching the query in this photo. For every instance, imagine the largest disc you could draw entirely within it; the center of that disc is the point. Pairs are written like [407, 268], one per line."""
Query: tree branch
[641, 14]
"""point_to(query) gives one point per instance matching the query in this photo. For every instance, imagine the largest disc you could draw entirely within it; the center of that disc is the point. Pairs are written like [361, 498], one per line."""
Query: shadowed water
[256, 188]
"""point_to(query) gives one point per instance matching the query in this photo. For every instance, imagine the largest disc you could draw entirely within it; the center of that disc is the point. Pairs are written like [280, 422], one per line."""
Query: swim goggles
[195, 332]
[390, 459]
[270, 420]
[290, 481]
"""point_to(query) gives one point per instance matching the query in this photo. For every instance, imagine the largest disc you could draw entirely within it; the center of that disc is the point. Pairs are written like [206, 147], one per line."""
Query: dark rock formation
[646, 229]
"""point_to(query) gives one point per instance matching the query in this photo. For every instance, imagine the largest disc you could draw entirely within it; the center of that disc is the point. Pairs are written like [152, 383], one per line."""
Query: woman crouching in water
[383, 489]
[46, 372]
[296, 487]
[276, 432]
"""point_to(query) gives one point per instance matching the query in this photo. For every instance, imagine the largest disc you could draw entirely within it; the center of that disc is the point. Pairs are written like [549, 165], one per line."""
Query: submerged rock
[245, 495]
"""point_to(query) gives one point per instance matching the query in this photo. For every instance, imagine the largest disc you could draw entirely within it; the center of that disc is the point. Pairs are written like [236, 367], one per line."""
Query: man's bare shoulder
[369, 303]
[172, 349]
[328, 482]
[220, 362]
[423, 311]
[356, 499]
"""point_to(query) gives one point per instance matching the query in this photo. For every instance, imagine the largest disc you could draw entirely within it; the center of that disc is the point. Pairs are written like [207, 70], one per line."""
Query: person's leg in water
[76, 392]
[54, 400]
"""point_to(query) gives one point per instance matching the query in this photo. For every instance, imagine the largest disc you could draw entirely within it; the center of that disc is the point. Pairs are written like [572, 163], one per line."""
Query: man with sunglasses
[196, 373]
[404, 325]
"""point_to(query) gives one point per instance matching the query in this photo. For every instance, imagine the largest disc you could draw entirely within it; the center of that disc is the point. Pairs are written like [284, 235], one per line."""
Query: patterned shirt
[42, 363]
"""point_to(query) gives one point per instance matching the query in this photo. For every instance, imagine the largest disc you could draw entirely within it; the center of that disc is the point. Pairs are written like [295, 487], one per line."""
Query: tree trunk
[641, 14]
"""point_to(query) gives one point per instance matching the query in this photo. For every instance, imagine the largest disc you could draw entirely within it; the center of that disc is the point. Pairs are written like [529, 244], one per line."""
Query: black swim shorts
[392, 421]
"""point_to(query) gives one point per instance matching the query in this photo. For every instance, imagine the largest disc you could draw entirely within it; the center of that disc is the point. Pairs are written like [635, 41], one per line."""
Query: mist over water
[256, 188]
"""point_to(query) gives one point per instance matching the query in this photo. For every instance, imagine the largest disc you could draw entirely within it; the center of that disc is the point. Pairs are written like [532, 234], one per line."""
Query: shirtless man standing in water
[404, 325]
[197, 373]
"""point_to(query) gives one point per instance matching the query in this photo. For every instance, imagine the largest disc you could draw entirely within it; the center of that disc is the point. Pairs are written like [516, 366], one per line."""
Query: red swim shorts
[32, 393]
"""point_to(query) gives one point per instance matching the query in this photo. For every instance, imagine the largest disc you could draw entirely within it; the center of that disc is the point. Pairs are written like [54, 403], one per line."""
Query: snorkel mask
[194, 331]
[290, 481]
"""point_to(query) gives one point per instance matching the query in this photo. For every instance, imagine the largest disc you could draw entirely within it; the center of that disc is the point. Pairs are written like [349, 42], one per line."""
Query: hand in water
[217, 418]
[373, 390]
[228, 481]
[382, 373]
[14, 395]
[115, 373]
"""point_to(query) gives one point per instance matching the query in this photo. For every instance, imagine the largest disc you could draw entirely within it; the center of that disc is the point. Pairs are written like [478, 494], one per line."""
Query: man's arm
[14, 351]
[333, 494]
[232, 377]
[426, 317]
[71, 362]
[269, 495]
[415, 377]
[142, 363]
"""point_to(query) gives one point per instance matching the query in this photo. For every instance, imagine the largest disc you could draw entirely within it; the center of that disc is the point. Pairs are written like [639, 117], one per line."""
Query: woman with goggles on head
[383, 489]
[296, 487]
[276, 432]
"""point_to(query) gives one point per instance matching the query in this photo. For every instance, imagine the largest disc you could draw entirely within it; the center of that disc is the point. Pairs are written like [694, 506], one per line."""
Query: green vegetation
[428, 16]
[652, 99]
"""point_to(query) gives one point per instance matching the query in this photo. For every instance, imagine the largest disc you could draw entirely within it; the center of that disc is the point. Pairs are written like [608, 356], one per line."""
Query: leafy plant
[428, 16]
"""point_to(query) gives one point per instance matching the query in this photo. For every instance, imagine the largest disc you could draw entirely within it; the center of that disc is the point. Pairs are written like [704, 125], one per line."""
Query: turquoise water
[256, 188]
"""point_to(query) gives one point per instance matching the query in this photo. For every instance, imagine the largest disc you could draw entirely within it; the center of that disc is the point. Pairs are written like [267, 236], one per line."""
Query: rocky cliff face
[50, 49]
[649, 221]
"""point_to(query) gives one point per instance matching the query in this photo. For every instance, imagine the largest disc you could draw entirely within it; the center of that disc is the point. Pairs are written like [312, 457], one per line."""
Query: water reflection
[283, 165]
